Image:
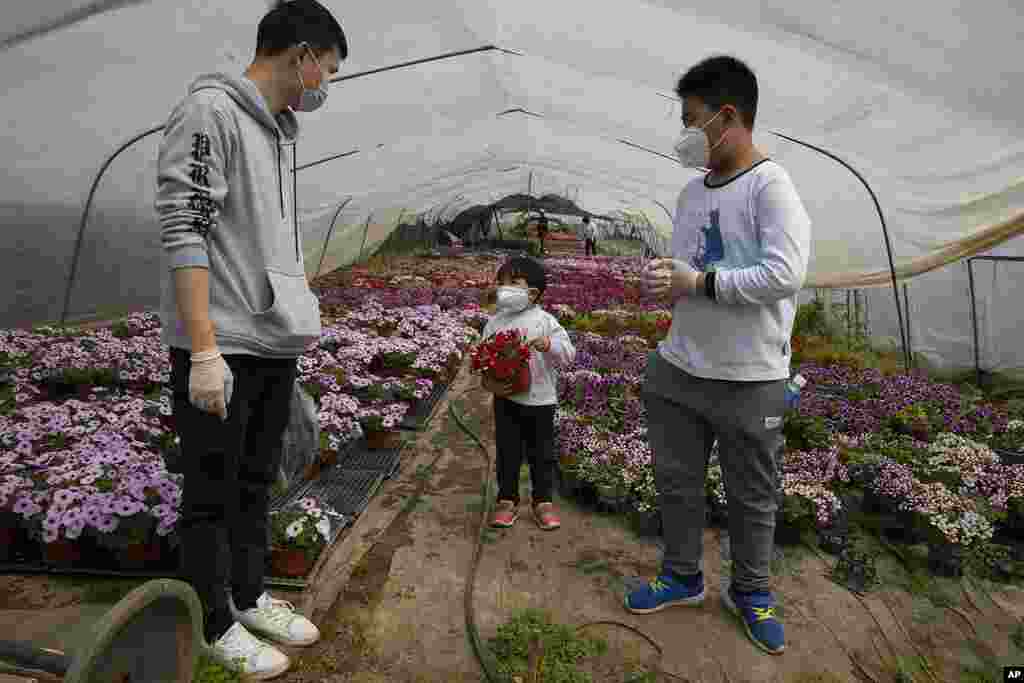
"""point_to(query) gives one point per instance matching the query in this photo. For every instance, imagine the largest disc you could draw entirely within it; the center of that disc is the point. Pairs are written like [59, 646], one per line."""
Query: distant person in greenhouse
[542, 230]
[740, 248]
[589, 237]
[237, 313]
[524, 423]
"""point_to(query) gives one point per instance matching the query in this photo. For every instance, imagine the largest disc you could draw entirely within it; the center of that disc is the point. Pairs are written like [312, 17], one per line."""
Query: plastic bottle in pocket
[793, 387]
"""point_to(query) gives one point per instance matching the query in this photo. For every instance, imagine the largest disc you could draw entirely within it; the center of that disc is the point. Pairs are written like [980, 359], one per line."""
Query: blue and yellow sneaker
[757, 612]
[668, 590]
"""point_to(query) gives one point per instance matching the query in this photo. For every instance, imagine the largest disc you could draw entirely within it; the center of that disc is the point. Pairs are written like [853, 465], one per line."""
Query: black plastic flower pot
[646, 524]
[787, 533]
[611, 500]
[1014, 524]
[863, 474]
[855, 570]
[946, 559]
[570, 483]
[833, 540]
[900, 528]
[718, 517]
[875, 503]
[612, 505]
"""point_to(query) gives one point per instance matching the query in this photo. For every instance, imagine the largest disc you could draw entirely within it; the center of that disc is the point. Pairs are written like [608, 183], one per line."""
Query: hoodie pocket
[293, 319]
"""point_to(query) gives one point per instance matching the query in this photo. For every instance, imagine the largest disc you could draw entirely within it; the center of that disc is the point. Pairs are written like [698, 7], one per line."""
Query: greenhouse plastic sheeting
[921, 99]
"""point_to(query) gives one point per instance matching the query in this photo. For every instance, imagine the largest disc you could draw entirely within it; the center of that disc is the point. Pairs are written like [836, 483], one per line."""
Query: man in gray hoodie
[237, 313]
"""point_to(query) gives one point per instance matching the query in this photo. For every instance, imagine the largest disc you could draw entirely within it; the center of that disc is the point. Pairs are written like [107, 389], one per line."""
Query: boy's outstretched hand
[670, 278]
[542, 344]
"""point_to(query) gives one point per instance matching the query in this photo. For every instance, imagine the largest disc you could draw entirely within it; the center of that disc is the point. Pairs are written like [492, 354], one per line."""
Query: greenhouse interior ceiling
[445, 105]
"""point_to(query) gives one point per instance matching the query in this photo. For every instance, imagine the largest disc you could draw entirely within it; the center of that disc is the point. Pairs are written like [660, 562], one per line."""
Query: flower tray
[387, 462]
[345, 490]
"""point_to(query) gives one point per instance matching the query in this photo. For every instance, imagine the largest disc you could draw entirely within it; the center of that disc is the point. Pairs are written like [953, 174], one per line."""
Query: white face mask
[694, 149]
[313, 99]
[513, 299]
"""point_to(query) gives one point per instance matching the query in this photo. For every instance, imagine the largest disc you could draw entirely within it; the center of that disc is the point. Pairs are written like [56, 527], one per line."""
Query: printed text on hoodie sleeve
[785, 230]
[191, 183]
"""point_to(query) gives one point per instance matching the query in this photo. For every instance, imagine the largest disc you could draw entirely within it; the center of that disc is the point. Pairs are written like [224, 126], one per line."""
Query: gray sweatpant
[684, 416]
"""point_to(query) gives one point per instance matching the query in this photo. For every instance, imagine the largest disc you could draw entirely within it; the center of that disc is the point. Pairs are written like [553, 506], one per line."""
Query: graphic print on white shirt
[710, 248]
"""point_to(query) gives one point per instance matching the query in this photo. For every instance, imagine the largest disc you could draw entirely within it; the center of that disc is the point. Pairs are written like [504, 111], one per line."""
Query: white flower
[294, 529]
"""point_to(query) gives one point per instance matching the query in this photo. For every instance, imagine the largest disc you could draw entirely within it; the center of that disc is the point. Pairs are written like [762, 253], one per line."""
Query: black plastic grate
[347, 491]
[297, 489]
[835, 390]
[294, 492]
[386, 462]
[421, 411]
[1009, 457]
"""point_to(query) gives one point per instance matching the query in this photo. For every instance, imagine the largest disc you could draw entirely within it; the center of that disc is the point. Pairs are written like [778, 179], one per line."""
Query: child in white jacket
[524, 424]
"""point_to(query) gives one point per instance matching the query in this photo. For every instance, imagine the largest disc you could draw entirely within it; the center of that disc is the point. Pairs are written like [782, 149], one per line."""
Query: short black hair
[586, 219]
[527, 268]
[292, 22]
[722, 80]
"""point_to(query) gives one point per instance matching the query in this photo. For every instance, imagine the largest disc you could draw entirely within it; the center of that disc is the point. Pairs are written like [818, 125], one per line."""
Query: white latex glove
[670, 278]
[210, 383]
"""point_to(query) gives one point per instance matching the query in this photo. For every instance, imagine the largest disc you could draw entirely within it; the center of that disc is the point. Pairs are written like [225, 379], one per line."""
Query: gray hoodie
[225, 202]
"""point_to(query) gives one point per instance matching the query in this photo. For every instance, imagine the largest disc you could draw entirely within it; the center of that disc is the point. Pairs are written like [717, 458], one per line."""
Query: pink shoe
[505, 514]
[547, 518]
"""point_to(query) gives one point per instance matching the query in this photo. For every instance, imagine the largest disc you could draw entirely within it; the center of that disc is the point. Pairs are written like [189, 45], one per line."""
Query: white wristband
[204, 356]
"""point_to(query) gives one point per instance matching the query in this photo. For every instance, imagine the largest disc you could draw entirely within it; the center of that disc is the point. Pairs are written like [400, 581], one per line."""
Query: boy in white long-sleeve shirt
[741, 244]
[524, 424]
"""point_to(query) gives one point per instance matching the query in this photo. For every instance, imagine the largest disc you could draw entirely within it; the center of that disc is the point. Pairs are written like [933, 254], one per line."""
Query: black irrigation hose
[484, 655]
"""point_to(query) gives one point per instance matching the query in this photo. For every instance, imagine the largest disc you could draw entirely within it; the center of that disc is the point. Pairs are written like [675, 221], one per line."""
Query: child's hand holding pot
[542, 344]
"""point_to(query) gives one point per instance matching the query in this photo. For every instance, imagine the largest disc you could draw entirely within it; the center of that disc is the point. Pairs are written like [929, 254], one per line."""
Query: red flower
[501, 355]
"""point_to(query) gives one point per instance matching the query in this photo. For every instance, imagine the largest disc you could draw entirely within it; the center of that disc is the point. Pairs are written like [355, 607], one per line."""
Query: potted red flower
[503, 360]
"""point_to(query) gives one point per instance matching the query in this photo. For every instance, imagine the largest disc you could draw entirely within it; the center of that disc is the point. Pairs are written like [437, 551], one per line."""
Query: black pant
[229, 468]
[525, 431]
[591, 247]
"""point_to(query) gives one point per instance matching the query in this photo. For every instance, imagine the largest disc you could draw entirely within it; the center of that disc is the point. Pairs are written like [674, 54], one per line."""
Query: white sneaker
[240, 650]
[276, 619]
